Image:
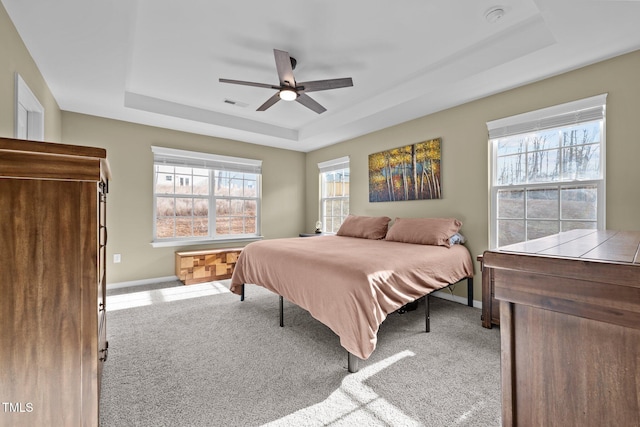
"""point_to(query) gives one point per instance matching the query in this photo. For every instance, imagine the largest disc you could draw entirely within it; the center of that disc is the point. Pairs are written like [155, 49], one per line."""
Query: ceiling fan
[289, 89]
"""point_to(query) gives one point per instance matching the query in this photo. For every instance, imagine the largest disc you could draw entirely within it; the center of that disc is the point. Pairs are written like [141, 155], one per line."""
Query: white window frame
[213, 162]
[331, 166]
[558, 116]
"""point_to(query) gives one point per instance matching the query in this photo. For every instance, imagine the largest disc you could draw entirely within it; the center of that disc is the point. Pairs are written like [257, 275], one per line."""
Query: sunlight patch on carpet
[353, 402]
[468, 416]
[157, 296]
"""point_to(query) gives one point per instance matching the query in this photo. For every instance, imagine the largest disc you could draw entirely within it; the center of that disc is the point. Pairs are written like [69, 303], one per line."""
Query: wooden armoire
[52, 282]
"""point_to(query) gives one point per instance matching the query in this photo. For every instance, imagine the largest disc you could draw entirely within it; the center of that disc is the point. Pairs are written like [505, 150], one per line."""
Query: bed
[351, 283]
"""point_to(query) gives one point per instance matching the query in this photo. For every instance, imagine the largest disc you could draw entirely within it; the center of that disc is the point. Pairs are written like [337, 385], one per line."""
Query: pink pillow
[424, 231]
[366, 227]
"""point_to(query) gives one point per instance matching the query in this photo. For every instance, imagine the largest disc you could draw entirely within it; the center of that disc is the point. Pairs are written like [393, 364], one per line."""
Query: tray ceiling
[157, 62]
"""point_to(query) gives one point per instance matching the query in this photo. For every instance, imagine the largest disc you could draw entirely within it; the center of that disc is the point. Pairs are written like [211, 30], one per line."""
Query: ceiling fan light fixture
[288, 94]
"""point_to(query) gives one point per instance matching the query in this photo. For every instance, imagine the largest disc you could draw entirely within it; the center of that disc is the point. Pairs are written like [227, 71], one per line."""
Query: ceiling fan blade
[318, 85]
[269, 102]
[308, 102]
[283, 65]
[240, 82]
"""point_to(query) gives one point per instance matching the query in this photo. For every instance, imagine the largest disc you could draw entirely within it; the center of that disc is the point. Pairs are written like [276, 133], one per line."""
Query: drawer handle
[103, 244]
[105, 351]
[104, 188]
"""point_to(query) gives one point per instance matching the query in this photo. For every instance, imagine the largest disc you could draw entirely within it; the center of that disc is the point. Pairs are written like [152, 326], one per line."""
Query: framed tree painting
[411, 172]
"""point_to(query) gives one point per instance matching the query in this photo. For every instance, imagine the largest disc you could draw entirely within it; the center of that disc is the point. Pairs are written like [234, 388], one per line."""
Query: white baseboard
[131, 283]
[455, 298]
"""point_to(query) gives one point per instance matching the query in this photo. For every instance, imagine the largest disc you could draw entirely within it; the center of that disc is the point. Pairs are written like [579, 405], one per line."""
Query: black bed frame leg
[470, 291]
[427, 315]
[242, 294]
[281, 311]
[352, 363]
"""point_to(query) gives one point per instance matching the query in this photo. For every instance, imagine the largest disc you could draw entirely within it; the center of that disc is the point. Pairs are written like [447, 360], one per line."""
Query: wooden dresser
[570, 329]
[52, 287]
[490, 306]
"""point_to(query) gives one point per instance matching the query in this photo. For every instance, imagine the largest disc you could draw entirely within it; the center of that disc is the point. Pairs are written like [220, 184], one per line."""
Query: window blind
[191, 159]
[568, 114]
[333, 165]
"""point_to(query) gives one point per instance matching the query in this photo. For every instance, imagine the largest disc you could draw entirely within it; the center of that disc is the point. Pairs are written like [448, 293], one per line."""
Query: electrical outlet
[117, 258]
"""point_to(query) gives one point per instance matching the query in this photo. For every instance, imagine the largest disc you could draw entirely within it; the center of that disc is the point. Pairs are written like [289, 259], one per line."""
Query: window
[547, 171]
[334, 193]
[200, 197]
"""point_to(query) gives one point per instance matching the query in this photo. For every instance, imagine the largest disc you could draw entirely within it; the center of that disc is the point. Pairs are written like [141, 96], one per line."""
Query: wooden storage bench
[206, 265]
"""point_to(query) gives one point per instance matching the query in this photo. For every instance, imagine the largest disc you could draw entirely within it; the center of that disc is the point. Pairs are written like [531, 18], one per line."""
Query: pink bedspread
[347, 283]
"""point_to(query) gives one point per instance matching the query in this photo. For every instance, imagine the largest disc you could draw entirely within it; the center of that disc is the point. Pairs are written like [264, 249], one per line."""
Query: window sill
[174, 243]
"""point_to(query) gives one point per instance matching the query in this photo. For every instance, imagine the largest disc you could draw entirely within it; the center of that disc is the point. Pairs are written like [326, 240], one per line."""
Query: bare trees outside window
[218, 200]
[334, 193]
[549, 180]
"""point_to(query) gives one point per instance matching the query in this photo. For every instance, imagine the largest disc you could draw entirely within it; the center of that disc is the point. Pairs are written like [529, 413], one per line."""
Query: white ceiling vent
[236, 103]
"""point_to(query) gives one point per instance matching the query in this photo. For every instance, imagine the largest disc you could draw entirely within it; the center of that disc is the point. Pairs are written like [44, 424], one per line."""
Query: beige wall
[130, 203]
[130, 221]
[290, 179]
[14, 58]
[465, 151]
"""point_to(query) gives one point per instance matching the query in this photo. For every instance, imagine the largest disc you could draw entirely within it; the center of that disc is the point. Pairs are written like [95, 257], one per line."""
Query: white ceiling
[157, 62]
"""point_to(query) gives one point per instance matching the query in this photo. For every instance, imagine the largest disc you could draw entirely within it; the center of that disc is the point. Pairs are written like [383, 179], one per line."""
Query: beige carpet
[197, 356]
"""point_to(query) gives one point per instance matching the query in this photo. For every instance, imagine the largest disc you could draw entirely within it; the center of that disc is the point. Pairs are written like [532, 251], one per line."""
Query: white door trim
[34, 129]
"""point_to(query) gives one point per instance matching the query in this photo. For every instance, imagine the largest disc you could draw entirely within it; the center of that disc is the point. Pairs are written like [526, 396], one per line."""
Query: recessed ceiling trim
[509, 44]
[168, 108]
[402, 70]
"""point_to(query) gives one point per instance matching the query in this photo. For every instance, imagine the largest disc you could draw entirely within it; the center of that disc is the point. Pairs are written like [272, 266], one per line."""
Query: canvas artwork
[411, 172]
